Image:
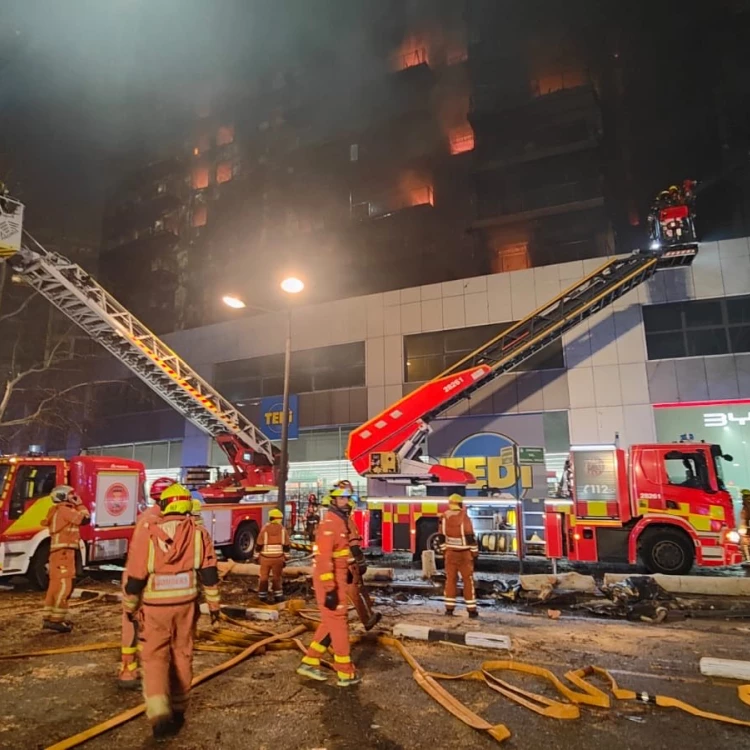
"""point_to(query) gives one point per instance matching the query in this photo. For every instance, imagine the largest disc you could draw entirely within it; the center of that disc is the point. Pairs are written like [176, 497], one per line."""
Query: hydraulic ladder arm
[74, 292]
[388, 446]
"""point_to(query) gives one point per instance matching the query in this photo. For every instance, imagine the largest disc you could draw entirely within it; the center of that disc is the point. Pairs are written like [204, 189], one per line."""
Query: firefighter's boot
[163, 728]
[58, 627]
[473, 614]
[129, 677]
[347, 680]
[312, 672]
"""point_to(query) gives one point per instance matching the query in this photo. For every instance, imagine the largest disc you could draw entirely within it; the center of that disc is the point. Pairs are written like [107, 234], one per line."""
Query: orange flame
[461, 139]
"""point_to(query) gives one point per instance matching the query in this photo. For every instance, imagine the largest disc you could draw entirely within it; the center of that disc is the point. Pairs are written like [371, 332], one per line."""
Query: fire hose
[579, 692]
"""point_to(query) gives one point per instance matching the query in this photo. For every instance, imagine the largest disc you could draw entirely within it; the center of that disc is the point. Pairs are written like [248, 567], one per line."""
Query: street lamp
[291, 285]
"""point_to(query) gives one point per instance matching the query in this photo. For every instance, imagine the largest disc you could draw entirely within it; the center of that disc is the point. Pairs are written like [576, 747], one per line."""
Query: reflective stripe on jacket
[273, 540]
[64, 520]
[456, 527]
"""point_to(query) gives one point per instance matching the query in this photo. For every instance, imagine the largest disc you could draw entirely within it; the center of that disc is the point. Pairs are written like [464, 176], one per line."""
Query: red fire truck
[665, 504]
[388, 449]
[111, 488]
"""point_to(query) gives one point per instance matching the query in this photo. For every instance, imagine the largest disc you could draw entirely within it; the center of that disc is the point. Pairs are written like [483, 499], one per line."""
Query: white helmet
[60, 493]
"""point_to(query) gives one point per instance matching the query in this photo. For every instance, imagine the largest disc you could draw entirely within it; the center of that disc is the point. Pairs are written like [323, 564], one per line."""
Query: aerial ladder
[390, 446]
[254, 459]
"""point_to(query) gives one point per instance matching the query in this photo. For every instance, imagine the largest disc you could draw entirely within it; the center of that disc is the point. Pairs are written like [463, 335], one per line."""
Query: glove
[331, 600]
[215, 616]
[362, 567]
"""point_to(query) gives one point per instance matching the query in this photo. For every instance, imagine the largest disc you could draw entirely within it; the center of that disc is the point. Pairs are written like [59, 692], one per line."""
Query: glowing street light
[230, 300]
[292, 285]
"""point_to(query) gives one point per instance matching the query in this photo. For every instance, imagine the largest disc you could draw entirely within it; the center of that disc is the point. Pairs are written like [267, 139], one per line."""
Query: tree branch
[44, 403]
[19, 309]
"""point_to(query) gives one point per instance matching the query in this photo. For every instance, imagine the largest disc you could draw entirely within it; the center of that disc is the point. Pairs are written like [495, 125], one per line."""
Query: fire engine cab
[111, 488]
[665, 504]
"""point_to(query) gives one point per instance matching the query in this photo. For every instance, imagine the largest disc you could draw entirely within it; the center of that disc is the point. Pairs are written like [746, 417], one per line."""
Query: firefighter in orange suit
[165, 569]
[459, 545]
[273, 548]
[330, 579]
[63, 520]
[129, 676]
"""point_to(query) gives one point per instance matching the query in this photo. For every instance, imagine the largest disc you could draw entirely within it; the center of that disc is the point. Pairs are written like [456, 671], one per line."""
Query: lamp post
[291, 285]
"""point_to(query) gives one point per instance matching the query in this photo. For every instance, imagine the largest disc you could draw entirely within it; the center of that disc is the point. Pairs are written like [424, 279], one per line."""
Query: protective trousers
[128, 648]
[270, 567]
[459, 561]
[166, 642]
[62, 570]
[333, 629]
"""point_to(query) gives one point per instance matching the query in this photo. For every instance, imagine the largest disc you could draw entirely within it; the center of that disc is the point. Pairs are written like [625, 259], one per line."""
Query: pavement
[263, 705]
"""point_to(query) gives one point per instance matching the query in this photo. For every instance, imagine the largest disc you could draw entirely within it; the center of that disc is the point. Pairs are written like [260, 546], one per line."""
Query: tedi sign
[482, 454]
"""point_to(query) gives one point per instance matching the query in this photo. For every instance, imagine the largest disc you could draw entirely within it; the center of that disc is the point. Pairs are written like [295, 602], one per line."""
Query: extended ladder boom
[74, 292]
[389, 443]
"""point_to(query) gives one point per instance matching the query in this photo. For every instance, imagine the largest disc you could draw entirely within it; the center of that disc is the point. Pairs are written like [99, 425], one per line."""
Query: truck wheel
[38, 573]
[243, 545]
[668, 551]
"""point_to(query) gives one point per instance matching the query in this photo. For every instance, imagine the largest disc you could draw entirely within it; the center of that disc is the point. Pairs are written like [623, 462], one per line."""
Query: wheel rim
[245, 541]
[668, 555]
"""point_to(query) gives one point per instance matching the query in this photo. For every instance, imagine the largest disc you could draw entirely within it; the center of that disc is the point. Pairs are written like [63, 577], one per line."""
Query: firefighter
[196, 510]
[330, 579]
[273, 549]
[312, 516]
[459, 545]
[64, 520]
[129, 677]
[745, 525]
[165, 568]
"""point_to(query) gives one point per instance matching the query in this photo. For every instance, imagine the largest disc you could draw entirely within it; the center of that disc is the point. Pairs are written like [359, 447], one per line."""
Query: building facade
[670, 358]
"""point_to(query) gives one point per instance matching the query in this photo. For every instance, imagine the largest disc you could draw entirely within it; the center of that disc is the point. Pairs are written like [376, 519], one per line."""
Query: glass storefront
[724, 422]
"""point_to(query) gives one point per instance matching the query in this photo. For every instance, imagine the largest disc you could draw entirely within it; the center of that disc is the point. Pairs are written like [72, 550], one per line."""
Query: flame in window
[461, 139]
[200, 177]
[200, 215]
[414, 190]
[224, 171]
[411, 52]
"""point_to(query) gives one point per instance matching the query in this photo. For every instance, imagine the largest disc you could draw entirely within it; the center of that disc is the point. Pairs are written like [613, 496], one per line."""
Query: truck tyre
[38, 573]
[245, 537]
[668, 551]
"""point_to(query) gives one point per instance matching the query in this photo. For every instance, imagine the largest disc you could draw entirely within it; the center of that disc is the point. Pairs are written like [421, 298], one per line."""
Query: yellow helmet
[196, 506]
[176, 499]
[326, 501]
[275, 514]
[339, 492]
[455, 501]
[176, 492]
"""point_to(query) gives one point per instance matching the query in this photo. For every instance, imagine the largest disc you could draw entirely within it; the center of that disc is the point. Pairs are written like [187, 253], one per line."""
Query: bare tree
[45, 384]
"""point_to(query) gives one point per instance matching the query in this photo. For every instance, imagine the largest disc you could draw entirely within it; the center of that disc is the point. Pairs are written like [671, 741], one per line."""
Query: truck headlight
[733, 537]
